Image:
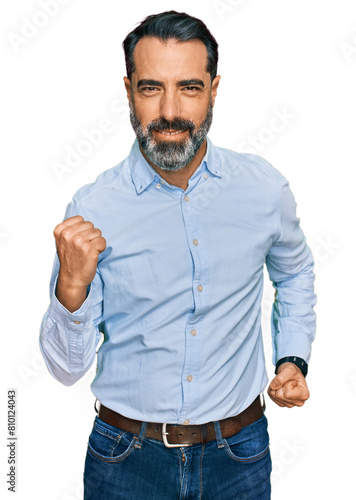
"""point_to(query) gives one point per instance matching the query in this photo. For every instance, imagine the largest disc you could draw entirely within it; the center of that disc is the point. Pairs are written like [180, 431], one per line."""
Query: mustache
[176, 124]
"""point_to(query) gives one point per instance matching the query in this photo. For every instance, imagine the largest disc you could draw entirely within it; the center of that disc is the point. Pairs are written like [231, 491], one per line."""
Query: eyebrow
[149, 83]
[193, 81]
[182, 83]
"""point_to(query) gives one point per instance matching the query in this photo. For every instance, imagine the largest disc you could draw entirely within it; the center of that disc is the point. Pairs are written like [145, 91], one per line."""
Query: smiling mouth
[174, 132]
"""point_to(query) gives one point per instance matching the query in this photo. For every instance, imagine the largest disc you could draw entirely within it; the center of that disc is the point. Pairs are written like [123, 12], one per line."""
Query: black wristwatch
[299, 362]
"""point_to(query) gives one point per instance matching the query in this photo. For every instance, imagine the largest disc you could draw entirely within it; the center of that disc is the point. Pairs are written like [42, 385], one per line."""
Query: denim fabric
[121, 465]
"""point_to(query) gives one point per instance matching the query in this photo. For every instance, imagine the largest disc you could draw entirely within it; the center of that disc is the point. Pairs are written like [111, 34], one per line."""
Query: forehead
[167, 60]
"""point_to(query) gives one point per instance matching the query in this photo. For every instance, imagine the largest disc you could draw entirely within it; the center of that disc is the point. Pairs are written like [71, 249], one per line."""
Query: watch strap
[303, 365]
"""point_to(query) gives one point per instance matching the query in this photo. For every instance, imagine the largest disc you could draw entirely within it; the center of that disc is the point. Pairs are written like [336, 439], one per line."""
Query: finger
[100, 244]
[288, 372]
[293, 397]
[72, 220]
[284, 403]
[86, 235]
[278, 401]
[82, 226]
[67, 223]
[293, 402]
[277, 382]
[91, 245]
[284, 398]
[294, 391]
[76, 228]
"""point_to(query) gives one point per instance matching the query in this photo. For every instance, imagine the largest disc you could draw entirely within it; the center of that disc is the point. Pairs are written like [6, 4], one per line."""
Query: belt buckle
[165, 440]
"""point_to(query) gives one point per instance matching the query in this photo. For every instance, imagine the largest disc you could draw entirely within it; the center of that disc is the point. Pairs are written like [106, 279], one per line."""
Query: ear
[128, 87]
[214, 88]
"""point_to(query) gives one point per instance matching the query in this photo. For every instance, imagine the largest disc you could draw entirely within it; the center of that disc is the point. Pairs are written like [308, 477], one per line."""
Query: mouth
[170, 132]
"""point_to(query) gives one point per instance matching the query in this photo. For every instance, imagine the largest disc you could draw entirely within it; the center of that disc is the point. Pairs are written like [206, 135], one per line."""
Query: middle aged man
[176, 289]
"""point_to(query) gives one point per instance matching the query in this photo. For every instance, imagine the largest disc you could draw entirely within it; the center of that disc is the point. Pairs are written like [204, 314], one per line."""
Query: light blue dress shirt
[178, 289]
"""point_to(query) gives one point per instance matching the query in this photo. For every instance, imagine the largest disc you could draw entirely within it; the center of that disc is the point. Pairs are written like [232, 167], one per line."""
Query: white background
[278, 56]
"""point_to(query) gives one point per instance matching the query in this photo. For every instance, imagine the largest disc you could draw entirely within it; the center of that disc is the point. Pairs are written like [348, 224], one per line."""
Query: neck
[180, 177]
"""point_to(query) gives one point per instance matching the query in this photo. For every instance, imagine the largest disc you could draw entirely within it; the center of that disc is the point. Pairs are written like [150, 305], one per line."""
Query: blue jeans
[125, 466]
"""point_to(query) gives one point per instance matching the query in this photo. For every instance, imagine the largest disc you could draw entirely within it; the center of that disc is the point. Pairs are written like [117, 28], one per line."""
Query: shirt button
[186, 198]
[158, 185]
[200, 288]
[186, 422]
[206, 176]
[193, 332]
[196, 242]
[190, 378]
[77, 322]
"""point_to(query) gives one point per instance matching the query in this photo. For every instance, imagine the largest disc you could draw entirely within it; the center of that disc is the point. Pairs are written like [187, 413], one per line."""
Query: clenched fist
[79, 244]
[288, 388]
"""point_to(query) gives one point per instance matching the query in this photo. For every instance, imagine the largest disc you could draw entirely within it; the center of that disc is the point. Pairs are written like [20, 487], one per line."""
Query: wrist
[70, 294]
[299, 362]
[70, 282]
[282, 366]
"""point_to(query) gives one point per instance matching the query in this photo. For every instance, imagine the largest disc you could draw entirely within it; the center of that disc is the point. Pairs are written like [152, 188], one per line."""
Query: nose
[170, 107]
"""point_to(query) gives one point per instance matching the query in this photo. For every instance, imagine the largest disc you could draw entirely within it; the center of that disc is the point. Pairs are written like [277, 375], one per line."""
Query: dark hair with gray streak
[172, 25]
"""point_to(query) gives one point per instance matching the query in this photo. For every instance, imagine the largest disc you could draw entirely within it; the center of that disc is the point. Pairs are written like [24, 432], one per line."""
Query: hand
[288, 388]
[79, 244]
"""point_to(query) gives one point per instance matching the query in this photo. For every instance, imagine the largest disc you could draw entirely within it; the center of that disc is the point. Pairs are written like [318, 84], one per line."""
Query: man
[164, 255]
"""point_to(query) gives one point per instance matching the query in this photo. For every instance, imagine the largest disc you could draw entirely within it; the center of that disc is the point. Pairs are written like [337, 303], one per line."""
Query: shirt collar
[212, 159]
[143, 174]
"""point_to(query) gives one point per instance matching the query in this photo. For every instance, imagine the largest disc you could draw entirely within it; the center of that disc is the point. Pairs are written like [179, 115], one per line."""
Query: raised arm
[70, 327]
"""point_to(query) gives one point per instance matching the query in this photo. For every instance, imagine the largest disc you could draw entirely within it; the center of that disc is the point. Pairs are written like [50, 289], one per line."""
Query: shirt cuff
[73, 320]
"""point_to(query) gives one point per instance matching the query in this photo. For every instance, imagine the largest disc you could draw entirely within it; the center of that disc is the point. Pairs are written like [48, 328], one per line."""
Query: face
[171, 100]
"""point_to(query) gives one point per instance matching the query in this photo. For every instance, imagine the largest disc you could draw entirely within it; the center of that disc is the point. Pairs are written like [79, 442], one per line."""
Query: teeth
[171, 133]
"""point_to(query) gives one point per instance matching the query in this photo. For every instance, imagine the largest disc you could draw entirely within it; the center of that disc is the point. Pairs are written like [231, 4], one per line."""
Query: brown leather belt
[184, 435]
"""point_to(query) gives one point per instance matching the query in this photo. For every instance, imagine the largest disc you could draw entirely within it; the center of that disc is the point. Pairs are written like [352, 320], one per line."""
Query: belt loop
[204, 433]
[218, 435]
[264, 402]
[142, 434]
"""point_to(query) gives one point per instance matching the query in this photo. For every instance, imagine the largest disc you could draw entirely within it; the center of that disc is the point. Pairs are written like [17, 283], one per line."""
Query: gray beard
[171, 155]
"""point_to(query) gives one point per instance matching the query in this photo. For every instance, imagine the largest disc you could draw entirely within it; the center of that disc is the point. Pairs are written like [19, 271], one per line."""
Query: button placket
[193, 349]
